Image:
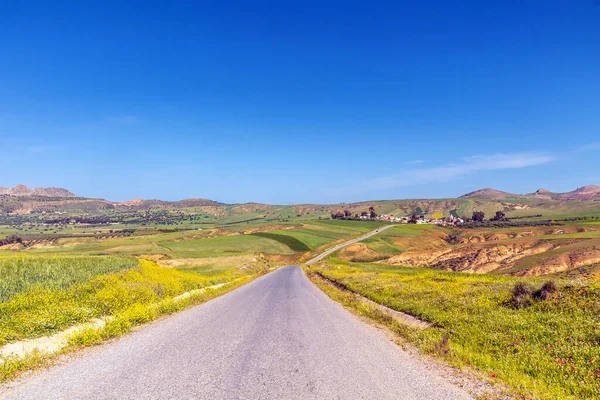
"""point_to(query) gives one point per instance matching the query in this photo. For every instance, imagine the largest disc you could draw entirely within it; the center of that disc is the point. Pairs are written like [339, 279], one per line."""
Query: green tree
[499, 216]
[372, 212]
[478, 216]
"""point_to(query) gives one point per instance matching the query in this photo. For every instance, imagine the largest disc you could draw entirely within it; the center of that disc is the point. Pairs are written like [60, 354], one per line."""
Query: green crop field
[289, 241]
[385, 243]
[224, 245]
[315, 236]
[354, 226]
[21, 273]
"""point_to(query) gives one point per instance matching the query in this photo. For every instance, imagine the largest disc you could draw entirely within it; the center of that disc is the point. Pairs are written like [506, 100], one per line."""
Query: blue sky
[299, 101]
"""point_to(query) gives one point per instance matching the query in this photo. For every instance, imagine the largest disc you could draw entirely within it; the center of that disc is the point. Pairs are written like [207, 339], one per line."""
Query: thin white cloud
[465, 166]
[124, 119]
[414, 162]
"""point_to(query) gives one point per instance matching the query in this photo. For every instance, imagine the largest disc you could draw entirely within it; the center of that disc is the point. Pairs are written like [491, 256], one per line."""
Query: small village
[371, 215]
[444, 221]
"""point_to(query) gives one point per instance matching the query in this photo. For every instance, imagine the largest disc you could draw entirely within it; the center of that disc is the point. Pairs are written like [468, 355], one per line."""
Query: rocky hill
[589, 193]
[147, 204]
[24, 200]
[24, 191]
[489, 194]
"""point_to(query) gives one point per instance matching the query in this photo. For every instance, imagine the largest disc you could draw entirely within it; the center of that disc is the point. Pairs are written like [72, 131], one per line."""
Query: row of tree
[347, 214]
[479, 216]
[13, 239]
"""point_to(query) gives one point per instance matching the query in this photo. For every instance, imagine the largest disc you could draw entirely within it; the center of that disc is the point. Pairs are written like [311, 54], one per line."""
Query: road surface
[348, 243]
[278, 337]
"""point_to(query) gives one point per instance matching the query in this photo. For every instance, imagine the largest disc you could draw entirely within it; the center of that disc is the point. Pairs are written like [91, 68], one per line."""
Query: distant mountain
[24, 191]
[24, 200]
[145, 204]
[591, 192]
[488, 194]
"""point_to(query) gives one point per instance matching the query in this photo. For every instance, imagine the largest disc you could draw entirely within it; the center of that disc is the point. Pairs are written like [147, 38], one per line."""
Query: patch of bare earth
[201, 262]
[359, 252]
[570, 260]
[153, 257]
[473, 257]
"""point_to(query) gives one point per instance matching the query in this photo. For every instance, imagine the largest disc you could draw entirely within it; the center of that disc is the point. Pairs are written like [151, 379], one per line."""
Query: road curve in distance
[348, 243]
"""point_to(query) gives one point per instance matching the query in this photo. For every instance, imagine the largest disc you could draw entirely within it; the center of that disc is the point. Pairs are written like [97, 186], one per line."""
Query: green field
[319, 233]
[43, 309]
[548, 350]
[289, 241]
[22, 273]
[203, 244]
[385, 243]
[223, 245]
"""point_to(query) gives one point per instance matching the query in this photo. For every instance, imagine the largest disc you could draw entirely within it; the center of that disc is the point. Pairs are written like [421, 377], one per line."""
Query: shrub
[546, 291]
[453, 238]
[521, 295]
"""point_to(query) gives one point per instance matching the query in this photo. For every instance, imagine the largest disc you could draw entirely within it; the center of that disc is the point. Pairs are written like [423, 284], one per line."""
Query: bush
[546, 291]
[453, 238]
[521, 295]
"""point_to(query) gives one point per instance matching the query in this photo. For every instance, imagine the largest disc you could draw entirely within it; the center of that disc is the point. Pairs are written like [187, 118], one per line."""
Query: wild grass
[22, 273]
[548, 347]
[121, 323]
[42, 311]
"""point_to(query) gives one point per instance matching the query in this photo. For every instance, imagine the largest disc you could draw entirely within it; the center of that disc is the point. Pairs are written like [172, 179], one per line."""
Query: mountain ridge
[488, 193]
[584, 193]
[589, 192]
[24, 191]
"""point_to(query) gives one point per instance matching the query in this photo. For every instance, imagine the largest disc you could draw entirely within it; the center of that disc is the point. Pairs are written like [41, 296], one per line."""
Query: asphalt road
[278, 337]
[348, 243]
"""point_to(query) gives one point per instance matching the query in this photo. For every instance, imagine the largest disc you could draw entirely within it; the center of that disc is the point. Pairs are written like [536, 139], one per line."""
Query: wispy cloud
[414, 162]
[124, 119]
[465, 166]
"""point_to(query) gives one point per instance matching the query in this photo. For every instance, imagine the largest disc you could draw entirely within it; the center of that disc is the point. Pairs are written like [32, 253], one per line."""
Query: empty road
[278, 337]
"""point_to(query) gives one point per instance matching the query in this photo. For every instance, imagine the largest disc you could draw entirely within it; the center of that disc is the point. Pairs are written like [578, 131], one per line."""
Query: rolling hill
[22, 200]
[589, 193]
[488, 193]
[24, 191]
